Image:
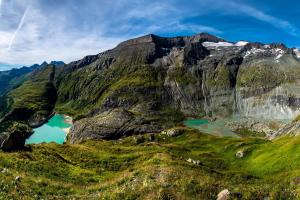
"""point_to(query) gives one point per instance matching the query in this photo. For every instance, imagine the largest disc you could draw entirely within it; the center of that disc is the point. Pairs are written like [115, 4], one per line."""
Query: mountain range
[151, 84]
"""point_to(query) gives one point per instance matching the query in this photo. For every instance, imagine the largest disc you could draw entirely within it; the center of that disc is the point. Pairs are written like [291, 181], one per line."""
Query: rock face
[201, 75]
[14, 137]
[111, 125]
[292, 128]
[265, 127]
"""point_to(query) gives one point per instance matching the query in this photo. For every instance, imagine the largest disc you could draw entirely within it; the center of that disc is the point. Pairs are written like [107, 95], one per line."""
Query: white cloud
[64, 30]
[37, 38]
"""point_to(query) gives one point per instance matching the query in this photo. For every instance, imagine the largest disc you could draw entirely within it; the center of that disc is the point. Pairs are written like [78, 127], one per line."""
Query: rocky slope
[151, 83]
[201, 75]
[292, 129]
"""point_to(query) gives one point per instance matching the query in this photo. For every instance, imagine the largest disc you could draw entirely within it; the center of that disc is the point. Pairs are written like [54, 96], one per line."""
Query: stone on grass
[239, 154]
[223, 195]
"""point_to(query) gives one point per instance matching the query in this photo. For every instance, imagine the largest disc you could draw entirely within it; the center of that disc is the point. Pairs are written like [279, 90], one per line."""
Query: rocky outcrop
[292, 129]
[14, 136]
[173, 132]
[262, 127]
[111, 125]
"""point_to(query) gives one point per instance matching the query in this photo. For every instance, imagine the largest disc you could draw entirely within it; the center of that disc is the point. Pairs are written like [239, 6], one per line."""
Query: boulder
[4, 170]
[173, 132]
[239, 154]
[195, 162]
[223, 195]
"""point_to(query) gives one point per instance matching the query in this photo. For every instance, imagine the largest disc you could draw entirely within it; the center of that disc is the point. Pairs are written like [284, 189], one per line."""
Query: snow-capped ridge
[297, 52]
[241, 43]
[217, 44]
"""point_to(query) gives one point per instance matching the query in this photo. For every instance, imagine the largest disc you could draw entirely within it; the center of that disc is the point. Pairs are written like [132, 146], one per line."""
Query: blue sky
[32, 31]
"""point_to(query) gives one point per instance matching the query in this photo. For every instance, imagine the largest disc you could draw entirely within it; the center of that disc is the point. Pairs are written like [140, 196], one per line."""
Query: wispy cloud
[64, 30]
[32, 31]
[18, 29]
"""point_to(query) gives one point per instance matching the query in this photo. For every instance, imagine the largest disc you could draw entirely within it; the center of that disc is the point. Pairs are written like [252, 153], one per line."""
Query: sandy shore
[67, 130]
[68, 119]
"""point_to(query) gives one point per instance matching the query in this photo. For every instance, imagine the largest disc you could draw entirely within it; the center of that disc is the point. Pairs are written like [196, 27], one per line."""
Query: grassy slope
[83, 91]
[142, 169]
[35, 96]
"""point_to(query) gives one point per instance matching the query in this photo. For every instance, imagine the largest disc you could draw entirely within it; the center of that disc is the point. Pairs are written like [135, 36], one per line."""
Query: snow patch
[217, 44]
[254, 51]
[279, 53]
[297, 52]
[241, 43]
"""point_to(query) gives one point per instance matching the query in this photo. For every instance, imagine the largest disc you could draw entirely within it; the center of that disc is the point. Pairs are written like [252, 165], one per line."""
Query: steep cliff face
[269, 88]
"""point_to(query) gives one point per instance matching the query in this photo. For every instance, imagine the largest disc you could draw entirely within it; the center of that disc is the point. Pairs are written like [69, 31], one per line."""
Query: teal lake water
[55, 130]
[216, 128]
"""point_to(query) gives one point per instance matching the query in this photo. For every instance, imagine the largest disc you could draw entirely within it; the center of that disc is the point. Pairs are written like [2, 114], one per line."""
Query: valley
[155, 118]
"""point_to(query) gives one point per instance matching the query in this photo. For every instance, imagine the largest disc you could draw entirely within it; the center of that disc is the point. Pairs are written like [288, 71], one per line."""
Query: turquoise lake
[55, 130]
[216, 128]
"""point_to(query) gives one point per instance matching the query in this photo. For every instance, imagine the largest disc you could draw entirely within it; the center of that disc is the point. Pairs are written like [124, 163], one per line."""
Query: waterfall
[203, 86]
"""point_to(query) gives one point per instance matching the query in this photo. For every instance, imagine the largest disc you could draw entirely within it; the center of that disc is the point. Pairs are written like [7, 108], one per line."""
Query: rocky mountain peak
[140, 40]
[205, 37]
[166, 42]
[278, 45]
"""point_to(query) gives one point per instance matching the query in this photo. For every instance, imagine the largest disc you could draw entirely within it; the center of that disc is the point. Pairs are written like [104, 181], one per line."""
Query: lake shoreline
[43, 121]
[55, 129]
